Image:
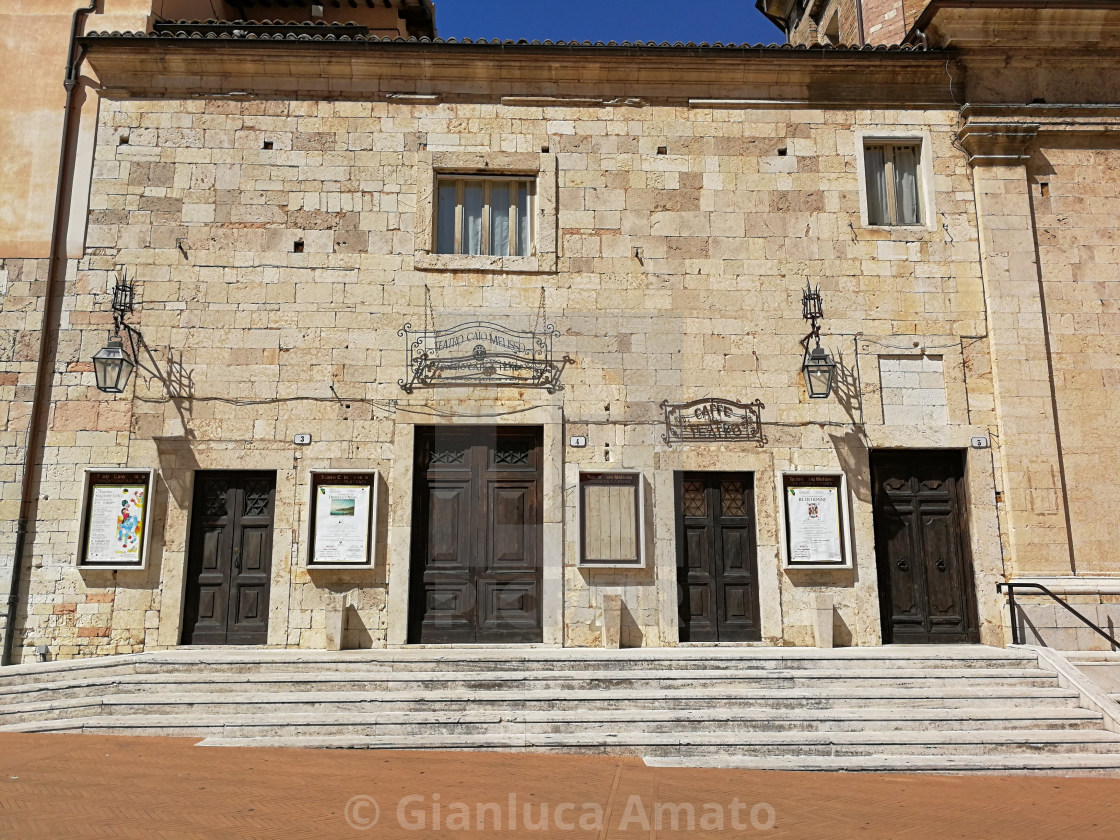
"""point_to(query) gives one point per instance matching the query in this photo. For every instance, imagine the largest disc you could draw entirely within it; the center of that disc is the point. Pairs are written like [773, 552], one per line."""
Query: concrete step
[252, 717]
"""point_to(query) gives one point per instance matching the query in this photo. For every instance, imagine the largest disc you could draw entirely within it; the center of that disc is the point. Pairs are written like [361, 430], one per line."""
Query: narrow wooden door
[477, 542]
[926, 590]
[230, 558]
[717, 565]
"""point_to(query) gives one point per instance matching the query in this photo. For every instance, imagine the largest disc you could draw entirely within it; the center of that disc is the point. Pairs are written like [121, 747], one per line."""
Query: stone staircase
[1102, 668]
[948, 709]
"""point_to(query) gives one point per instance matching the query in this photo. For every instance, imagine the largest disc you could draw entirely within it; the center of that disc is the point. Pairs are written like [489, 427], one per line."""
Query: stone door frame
[551, 421]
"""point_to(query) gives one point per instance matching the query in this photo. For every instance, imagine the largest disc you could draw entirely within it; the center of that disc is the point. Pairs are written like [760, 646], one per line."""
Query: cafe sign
[713, 420]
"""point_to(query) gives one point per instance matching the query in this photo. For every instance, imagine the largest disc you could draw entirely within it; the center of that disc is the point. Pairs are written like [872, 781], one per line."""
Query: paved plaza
[86, 786]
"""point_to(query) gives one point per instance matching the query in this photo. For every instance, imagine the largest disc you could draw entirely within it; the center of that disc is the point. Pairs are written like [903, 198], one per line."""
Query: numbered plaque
[611, 518]
[114, 517]
[342, 513]
[814, 519]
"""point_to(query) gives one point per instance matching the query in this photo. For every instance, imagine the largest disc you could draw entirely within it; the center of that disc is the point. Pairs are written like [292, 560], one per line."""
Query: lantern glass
[112, 367]
[820, 371]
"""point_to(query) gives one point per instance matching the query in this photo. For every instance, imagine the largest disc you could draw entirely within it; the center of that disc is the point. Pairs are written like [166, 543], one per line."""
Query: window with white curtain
[484, 216]
[893, 183]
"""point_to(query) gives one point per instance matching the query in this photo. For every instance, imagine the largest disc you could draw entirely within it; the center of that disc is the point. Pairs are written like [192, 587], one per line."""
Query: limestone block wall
[684, 238]
[22, 285]
[1075, 196]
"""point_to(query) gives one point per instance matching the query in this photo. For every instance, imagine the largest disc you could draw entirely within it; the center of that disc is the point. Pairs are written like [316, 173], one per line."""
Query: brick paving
[85, 786]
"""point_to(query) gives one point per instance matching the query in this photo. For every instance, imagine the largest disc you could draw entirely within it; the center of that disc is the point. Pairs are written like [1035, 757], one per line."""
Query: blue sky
[729, 21]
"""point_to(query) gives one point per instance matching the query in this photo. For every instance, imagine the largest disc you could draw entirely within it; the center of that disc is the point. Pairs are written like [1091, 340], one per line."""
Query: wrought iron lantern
[820, 371]
[112, 366]
[818, 366]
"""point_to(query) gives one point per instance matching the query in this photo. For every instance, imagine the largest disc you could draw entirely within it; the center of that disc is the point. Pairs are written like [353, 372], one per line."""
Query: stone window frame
[919, 136]
[542, 167]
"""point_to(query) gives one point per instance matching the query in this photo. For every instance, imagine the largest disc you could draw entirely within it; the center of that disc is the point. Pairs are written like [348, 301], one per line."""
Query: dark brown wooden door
[926, 591]
[230, 560]
[717, 565]
[476, 536]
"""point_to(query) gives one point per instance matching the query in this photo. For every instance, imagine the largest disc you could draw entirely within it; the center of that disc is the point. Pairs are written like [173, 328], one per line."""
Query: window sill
[540, 264]
[922, 228]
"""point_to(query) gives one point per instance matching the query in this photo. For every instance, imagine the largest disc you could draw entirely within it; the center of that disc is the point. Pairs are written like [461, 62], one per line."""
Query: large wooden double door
[926, 589]
[717, 565]
[477, 539]
[230, 558]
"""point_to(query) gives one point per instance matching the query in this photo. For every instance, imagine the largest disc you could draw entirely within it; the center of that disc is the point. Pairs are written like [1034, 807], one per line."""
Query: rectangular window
[484, 216]
[893, 179]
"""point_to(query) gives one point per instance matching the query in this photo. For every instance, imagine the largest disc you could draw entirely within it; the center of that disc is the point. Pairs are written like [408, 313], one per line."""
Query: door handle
[903, 565]
[237, 559]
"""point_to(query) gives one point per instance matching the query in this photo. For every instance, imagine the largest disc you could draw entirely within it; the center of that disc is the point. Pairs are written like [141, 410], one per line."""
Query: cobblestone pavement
[84, 786]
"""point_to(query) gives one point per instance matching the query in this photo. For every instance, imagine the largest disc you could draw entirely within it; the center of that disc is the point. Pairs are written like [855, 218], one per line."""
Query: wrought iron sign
[481, 353]
[712, 420]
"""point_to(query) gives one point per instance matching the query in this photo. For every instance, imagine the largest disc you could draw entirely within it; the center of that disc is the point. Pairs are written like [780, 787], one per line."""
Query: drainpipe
[48, 329]
[859, 23]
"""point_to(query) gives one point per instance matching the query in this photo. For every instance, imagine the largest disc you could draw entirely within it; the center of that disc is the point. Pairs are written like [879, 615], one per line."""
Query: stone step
[356, 718]
[712, 744]
[774, 700]
[840, 682]
[461, 658]
[515, 698]
[1064, 764]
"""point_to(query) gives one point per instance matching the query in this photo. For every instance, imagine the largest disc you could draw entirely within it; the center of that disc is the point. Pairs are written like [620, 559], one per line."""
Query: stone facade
[272, 203]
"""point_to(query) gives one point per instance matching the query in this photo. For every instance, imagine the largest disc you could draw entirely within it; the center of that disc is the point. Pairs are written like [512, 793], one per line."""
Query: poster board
[611, 520]
[114, 516]
[341, 517]
[815, 517]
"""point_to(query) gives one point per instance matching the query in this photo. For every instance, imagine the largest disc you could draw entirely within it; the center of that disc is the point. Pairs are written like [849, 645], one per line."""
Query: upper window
[893, 183]
[486, 216]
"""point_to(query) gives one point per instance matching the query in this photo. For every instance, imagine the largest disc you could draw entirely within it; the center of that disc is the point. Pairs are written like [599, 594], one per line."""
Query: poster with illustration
[813, 521]
[116, 519]
[342, 521]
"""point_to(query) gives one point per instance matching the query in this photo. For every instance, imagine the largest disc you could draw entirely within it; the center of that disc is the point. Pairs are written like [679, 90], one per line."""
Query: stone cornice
[998, 143]
[138, 66]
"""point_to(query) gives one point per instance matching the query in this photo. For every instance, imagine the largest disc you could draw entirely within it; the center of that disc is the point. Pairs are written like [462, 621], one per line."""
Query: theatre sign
[481, 353]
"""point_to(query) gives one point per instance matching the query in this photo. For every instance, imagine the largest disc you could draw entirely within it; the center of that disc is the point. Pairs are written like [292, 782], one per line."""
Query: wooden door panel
[510, 523]
[716, 557]
[736, 553]
[448, 524]
[476, 569]
[508, 610]
[905, 597]
[925, 580]
[230, 558]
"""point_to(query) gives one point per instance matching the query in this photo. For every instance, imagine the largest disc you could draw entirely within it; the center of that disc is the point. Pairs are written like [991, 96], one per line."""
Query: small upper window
[893, 183]
[489, 216]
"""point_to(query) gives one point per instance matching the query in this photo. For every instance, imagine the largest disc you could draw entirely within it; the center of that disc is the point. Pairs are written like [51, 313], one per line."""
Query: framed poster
[114, 517]
[814, 513]
[611, 519]
[341, 517]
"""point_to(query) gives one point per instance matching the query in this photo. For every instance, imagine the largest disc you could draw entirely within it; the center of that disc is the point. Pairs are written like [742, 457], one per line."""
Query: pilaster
[1033, 482]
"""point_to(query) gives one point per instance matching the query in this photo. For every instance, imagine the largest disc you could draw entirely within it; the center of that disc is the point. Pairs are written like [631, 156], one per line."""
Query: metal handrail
[1011, 587]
